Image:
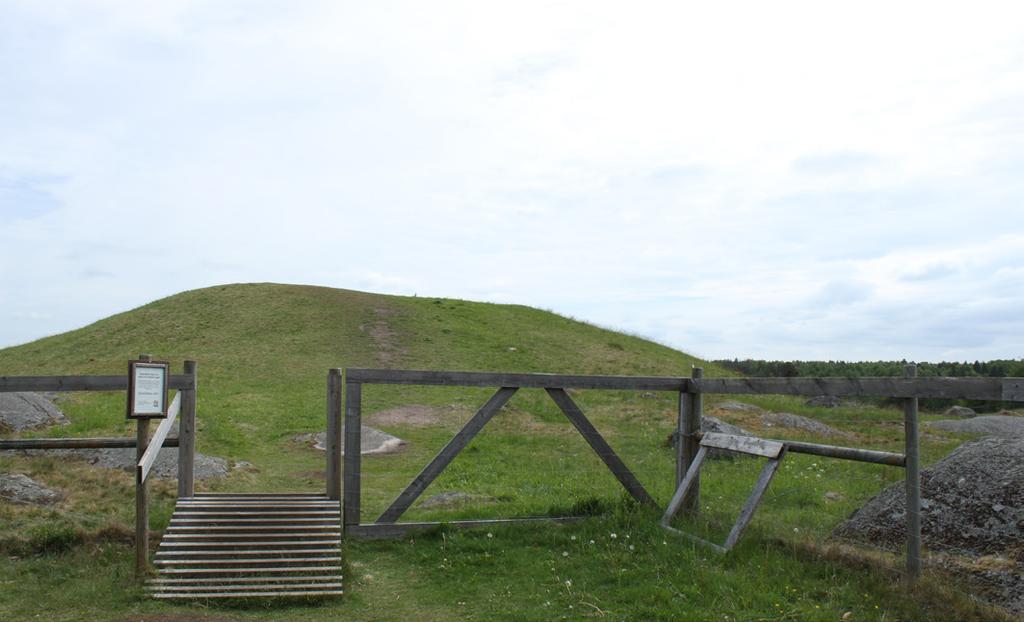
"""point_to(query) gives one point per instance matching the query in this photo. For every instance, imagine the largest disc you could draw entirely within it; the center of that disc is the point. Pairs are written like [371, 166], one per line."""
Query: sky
[783, 180]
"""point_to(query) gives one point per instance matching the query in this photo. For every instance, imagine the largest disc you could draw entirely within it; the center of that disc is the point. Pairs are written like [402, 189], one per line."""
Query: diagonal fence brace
[601, 447]
[445, 457]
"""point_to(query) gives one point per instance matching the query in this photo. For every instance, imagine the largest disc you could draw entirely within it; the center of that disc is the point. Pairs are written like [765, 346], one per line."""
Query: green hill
[264, 351]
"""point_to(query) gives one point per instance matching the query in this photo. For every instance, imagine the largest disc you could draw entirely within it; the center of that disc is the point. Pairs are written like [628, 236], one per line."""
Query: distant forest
[793, 369]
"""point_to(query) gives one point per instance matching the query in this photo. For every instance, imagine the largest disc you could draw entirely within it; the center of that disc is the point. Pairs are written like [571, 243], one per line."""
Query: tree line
[999, 368]
[849, 369]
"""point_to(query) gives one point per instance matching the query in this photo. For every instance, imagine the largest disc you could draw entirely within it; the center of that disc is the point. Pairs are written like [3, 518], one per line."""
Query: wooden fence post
[333, 443]
[353, 458]
[691, 406]
[913, 468]
[141, 496]
[187, 435]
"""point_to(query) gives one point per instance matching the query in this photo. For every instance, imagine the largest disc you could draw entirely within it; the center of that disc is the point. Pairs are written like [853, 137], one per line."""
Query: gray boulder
[796, 422]
[959, 411]
[824, 401]
[990, 425]
[26, 411]
[21, 489]
[372, 441]
[734, 406]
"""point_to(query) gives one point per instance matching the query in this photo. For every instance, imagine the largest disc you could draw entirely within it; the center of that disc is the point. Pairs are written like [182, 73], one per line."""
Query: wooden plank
[1013, 390]
[163, 596]
[237, 553]
[601, 447]
[743, 444]
[754, 500]
[259, 513]
[953, 388]
[333, 441]
[241, 562]
[447, 454]
[235, 571]
[270, 536]
[187, 433]
[81, 383]
[689, 478]
[75, 443]
[258, 495]
[399, 530]
[242, 587]
[913, 481]
[257, 505]
[245, 544]
[148, 459]
[352, 458]
[501, 379]
[156, 581]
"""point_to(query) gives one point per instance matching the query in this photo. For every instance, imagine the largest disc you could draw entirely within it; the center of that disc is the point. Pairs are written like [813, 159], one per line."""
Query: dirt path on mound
[384, 337]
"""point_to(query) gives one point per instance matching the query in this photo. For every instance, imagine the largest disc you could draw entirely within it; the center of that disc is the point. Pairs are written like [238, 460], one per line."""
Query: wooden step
[162, 554]
[228, 580]
[239, 587]
[250, 545]
[249, 569]
[269, 594]
[243, 545]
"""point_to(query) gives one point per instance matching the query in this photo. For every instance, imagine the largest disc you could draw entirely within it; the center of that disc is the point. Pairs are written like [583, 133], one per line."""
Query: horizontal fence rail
[78, 443]
[995, 389]
[522, 381]
[84, 383]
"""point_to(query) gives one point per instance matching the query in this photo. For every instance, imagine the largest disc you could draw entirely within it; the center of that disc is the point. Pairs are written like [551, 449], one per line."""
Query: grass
[263, 353]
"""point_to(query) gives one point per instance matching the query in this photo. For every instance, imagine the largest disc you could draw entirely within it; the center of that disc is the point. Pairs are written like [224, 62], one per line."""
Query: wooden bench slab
[743, 444]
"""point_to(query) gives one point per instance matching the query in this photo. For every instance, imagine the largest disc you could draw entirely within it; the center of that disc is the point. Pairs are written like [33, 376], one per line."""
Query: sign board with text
[147, 389]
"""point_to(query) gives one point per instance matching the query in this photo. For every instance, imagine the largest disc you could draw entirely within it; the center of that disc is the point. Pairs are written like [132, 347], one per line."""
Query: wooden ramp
[250, 545]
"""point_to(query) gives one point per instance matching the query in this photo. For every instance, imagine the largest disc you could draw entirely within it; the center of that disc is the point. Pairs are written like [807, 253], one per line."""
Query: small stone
[796, 422]
[833, 496]
[959, 411]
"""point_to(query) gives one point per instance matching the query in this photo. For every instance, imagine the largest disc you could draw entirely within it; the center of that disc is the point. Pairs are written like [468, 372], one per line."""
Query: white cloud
[732, 178]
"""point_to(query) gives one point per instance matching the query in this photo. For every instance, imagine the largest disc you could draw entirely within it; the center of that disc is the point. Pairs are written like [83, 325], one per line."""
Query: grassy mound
[263, 353]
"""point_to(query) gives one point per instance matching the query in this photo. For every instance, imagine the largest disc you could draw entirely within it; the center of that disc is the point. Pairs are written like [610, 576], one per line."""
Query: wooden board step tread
[251, 545]
[199, 596]
[329, 578]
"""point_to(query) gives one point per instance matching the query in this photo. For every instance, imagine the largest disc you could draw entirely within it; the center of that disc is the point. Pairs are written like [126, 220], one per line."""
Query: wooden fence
[690, 406]
[183, 407]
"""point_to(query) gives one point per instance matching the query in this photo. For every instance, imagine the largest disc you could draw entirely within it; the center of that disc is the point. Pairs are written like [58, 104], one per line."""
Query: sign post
[147, 399]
